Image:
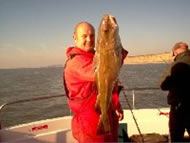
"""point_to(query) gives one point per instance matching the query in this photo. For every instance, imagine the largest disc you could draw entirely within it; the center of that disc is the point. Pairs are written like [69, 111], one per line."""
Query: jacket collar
[77, 51]
[183, 54]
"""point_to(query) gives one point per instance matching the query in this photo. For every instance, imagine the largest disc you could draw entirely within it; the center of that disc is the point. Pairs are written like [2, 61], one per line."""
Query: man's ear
[74, 37]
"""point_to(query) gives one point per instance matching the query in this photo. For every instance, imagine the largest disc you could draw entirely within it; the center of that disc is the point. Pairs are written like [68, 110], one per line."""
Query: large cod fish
[108, 60]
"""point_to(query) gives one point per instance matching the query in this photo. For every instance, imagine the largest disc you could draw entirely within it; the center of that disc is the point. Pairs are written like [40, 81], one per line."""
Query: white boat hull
[58, 130]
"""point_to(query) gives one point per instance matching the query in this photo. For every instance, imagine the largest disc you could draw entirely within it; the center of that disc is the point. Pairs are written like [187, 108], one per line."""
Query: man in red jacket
[79, 77]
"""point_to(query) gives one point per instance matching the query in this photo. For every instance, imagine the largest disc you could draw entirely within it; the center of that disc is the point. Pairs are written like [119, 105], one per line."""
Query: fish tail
[103, 125]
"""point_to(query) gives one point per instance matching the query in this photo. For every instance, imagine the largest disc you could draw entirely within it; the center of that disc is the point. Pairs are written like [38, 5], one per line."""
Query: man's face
[85, 37]
[182, 48]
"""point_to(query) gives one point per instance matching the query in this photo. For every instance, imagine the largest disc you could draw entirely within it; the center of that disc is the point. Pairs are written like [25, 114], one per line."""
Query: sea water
[25, 83]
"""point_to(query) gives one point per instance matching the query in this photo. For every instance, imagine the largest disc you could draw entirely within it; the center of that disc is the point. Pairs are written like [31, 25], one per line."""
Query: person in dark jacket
[176, 80]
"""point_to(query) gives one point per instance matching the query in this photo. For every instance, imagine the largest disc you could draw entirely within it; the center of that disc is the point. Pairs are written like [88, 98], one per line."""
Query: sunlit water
[17, 84]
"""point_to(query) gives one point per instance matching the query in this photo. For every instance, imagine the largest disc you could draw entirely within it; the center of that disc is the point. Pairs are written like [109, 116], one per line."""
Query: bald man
[84, 36]
[79, 81]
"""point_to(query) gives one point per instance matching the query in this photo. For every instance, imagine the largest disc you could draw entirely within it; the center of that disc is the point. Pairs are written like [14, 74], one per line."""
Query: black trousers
[179, 121]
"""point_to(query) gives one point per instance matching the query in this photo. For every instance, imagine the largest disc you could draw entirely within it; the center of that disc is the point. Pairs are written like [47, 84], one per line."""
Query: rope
[133, 115]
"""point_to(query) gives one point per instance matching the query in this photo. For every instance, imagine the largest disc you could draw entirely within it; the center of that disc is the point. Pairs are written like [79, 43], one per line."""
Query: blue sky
[36, 33]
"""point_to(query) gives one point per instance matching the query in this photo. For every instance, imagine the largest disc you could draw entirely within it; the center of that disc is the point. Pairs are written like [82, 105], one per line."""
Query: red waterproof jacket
[79, 78]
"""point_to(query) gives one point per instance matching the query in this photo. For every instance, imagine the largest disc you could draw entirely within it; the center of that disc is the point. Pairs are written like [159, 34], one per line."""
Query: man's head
[179, 48]
[84, 36]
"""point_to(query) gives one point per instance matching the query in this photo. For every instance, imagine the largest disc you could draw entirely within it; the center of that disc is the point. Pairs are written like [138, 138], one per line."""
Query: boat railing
[63, 95]
[133, 90]
[26, 100]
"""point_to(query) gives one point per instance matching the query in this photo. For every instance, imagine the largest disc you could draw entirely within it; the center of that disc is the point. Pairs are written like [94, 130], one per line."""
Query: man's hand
[119, 114]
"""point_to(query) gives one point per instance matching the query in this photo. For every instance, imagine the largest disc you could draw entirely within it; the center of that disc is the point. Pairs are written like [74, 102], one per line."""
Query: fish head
[108, 31]
[108, 24]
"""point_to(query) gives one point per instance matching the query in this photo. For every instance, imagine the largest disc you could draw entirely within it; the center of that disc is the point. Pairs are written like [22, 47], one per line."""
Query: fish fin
[97, 105]
[103, 126]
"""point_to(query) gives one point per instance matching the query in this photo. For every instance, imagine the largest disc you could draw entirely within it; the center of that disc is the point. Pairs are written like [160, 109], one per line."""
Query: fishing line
[126, 98]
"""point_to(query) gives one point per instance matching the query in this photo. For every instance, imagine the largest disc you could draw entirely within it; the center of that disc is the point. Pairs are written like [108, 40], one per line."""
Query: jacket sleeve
[115, 98]
[166, 81]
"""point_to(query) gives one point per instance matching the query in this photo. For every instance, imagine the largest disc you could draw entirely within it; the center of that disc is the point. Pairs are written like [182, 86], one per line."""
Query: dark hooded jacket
[177, 80]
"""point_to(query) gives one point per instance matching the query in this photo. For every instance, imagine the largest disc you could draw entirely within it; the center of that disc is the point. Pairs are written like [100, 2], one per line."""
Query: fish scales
[108, 60]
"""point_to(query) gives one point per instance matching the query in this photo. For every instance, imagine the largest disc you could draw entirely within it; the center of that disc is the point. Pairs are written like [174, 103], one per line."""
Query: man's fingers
[119, 115]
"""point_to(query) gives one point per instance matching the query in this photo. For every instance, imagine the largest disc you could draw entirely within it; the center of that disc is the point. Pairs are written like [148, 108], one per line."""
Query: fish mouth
[109, 21]
[112, 20]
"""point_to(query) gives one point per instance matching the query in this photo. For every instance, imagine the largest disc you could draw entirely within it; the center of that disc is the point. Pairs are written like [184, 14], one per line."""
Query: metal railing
[62, 95]
[138, 89]
[27, 100]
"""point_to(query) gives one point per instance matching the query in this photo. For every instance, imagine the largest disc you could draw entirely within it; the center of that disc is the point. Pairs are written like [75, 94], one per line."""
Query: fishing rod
[130, 108]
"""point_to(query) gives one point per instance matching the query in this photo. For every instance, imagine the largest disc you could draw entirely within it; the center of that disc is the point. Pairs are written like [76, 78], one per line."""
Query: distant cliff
[151, 58]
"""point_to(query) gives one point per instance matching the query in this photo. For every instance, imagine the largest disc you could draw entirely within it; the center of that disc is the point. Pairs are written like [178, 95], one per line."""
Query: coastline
[149, 59]
[141, 63]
